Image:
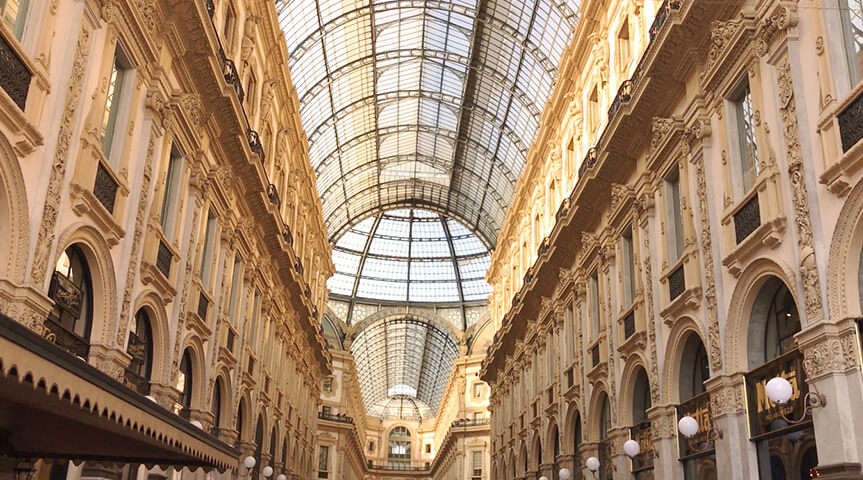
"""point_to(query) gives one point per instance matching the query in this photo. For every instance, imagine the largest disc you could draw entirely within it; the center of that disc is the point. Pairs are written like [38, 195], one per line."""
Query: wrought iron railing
[399, 467]
[851, 123]
[255, 144]
[298, 266]
[14, 74]
[335, 417]
[286, 235]
[629, 325]
[624, 95]
[676, 283]
[163, 259]
[469, 422]
[105, 188]
[203, 306]
[66, 339]
[747, 219]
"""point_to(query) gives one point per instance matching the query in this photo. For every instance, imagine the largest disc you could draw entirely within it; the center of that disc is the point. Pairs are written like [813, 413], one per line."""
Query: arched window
[216, 407]
[694, 369]
[399, 446]
[783, 322]
[184, 384]
[640, 397]
[605, 444]
[241, 414]
[72, 291]
[141, 350]
[259, 440]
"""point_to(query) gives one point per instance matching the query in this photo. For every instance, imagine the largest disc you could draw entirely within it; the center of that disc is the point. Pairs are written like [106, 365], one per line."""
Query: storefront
[698, 454]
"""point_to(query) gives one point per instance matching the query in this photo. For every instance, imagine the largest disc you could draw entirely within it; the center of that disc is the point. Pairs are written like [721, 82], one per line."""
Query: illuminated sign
[766, 417]
[698, 407]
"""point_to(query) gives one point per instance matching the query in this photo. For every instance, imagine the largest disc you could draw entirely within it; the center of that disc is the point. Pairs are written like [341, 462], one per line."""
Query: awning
[54, 405]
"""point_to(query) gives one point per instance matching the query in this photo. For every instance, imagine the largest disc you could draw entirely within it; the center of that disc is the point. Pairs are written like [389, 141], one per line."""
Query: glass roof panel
[392, 75]
[410, 255]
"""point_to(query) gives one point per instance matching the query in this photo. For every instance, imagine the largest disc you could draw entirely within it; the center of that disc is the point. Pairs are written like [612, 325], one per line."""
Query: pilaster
[736, 458]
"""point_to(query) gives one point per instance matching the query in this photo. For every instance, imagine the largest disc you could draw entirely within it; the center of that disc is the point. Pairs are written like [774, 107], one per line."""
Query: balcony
[336, 417]
[469, 422]
[589, 161]
[273, 195]
[399, 467]
[14, 74]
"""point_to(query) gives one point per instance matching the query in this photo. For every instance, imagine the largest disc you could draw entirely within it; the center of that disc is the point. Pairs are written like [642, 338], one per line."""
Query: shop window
[72, 291]
[184, 385]
[140, 349]
[14, 15]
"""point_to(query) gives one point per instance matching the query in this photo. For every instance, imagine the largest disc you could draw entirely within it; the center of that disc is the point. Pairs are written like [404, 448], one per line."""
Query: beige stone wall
[62, 186]
[671, 114]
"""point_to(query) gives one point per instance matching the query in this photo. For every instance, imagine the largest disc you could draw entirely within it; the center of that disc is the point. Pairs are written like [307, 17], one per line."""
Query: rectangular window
[170, 197]
[236, 287]
[594, 305]
[570, 333]
[673, 216]
[323, 458]
[477, 464]
[114, 100]
[593, 109]
[207, 253]
[477, 416]
[229, 28]
[623, 47]
[549, 355]
[326, 409]
[477, 390]
[328, 385]
[627, 260]
[745, 126]
[253, 330]
[14, 15]
[852, 24]
[428, 448]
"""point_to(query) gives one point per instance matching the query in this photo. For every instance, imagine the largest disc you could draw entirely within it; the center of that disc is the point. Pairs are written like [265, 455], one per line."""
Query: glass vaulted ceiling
[410, 255]
[429, 102]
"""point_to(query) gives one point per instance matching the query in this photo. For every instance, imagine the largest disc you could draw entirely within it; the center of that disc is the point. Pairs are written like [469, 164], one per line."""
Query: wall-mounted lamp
[249, 462]
[267, 471]
[592, 464]
[688, 427]
[564, 474]
[779, 390]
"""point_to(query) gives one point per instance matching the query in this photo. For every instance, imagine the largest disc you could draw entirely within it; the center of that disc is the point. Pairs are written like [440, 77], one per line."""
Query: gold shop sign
[697, 407]
[765, 417]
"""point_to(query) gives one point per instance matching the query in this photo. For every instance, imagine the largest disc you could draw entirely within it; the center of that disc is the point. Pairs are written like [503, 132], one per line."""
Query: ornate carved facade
[707, 236]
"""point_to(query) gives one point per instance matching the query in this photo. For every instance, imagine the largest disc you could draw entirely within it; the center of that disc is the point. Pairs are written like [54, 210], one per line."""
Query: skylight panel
[385, 269]
[352, 240]
[382, 289]
[341, 284]
[345, 261]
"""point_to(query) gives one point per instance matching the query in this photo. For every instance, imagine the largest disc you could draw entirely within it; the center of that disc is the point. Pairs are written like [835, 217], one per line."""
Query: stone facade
[156, 147]
[709, 217]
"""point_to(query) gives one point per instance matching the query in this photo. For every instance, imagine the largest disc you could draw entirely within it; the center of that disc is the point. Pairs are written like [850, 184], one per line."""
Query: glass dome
[410, 255]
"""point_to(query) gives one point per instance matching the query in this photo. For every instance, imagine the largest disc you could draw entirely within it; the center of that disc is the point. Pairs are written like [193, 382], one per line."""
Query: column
[736, 458]
[663, 427]
[830, 362]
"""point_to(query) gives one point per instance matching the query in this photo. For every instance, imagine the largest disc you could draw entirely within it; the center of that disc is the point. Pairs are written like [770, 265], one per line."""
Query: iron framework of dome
[429, 103]
[410, 256]
[403, 364]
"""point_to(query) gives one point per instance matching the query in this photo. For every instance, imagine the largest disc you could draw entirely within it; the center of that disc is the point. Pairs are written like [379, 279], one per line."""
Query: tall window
[569, 327]
[72, 292]
[593, 109]
[783, 322]
[253, 330]
[14, 15]
[251, 86]
[624, 47]
[604, 419]
[744, 116]
[627, 260]
[216, 407]
[477, 390]
[229, 28]
[673, 216]
[852, 23]
[476, 465]
[593, 286]
[170, 197]
[184, 384]
[141, 350]
[323, 461]
[114, 99]
[207, 252]
[236, 287]
[399, 446]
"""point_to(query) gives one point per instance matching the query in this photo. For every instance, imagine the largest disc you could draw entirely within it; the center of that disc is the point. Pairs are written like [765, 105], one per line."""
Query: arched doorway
[640, 431]
[71, 289]
[140, 348]
[697, 454]
[185, 381]
[784, 450]
[399, 451]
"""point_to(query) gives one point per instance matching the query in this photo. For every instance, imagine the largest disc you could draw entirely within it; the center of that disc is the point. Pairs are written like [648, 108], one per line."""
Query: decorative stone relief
[713, 333]
[184, 296]
[659, 128]
[800, 197]
[783, 17]
[652, 370]
[58, 166]
[728, 399]
[831, 355]
[136, 241]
